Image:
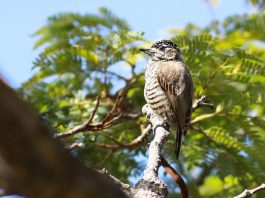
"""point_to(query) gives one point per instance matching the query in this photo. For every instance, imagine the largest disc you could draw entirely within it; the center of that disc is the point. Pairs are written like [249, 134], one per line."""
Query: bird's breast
[154, 95]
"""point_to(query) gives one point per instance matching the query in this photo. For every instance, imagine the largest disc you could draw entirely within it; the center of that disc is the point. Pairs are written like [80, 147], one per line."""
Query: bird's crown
[163, 44]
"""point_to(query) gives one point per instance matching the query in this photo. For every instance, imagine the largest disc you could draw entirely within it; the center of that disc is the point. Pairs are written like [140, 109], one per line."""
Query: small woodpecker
[169, 87]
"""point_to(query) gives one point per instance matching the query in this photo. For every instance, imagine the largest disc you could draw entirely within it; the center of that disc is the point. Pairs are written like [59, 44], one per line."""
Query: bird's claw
[164, 124]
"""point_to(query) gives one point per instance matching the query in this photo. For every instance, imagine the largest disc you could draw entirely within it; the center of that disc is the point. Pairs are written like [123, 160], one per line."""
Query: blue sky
[20, 19]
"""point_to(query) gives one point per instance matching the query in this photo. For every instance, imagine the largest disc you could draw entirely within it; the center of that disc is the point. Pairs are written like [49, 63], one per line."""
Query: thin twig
[83, 126]
[106, 159]
[125, 187]
[134, 143]
[96, 126]
[114, 116]
[200, 118]
[248, 193]
[75, 146]
[89, 127]
[94, 111]
[202, 102]
[176, 176]
[119, 99]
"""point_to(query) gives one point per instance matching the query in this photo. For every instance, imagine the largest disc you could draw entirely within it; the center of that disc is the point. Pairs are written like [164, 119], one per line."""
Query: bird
[169, 87]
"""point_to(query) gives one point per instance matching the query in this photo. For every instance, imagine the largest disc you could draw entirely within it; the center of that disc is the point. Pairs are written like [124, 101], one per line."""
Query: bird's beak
[147, 51]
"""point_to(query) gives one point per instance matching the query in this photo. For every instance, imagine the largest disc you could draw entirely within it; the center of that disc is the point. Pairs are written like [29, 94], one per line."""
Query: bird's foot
[155, 119]
[164, 124]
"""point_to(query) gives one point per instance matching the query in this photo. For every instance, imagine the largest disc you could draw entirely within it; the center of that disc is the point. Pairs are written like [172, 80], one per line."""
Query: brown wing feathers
[171, 80]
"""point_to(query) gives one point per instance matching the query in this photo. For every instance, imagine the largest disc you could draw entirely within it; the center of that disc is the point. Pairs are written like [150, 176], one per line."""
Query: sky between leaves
[20, 19]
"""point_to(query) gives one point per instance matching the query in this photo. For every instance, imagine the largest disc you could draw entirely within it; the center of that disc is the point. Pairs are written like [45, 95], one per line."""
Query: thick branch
[38, 165]
[248, 193]
[150, 185]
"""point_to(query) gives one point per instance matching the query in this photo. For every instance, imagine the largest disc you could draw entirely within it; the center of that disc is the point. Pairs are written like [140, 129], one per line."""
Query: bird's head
[164, 50]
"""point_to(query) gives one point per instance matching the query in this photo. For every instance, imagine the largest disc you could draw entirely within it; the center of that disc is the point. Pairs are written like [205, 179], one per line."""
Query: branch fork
[249, 193]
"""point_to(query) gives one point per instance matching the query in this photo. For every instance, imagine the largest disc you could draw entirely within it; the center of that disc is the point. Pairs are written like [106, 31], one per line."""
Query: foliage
[227, 63]
[84, 56]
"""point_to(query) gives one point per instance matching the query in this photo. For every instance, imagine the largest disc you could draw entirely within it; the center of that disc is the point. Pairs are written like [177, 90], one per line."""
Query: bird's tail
[178, 141]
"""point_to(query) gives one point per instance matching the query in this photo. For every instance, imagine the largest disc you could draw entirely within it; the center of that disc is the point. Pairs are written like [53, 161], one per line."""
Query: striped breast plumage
[155, 95]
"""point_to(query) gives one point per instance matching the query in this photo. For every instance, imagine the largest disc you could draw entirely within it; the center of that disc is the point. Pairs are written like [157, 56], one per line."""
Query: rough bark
[34, 164]
[150, 186]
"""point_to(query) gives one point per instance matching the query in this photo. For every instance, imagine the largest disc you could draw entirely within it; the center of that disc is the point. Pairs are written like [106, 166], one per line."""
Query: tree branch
[127, 189]
[134, 143]
[75, 146]
[248, 193]
[96, 126]
[202, 102]
[176, 176]
[113, 117]
[200, 118]
[37, 164]
[82, 127]
[150, 185]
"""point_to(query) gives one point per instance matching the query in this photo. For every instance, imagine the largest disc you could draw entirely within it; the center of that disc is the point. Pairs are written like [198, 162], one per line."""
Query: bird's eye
[170, 52]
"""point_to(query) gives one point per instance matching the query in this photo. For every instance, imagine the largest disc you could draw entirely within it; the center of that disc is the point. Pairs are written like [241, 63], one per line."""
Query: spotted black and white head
[164, 50]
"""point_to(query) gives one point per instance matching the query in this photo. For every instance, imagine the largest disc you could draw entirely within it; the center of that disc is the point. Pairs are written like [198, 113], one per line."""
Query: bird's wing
[175, 81]
[170, 77]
